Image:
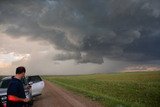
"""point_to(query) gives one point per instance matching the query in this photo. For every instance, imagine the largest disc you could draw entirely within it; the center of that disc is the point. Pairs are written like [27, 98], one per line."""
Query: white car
[37, 84]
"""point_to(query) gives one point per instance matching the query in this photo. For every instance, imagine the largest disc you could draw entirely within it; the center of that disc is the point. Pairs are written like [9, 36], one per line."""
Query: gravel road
[55, 96]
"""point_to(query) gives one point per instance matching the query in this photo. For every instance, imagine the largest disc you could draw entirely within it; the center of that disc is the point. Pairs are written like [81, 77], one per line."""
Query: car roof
[6, 78]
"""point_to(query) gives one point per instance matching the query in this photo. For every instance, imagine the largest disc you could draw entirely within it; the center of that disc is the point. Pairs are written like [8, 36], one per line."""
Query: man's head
[20, 71]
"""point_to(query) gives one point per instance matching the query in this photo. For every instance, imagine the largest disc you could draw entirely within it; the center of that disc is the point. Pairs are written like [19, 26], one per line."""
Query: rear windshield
[5, 83]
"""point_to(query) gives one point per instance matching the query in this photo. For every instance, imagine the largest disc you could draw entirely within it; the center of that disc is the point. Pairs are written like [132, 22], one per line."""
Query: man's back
[15, 88]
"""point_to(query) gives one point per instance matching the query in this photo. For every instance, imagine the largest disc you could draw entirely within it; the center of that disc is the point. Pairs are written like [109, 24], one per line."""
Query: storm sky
[78, 36]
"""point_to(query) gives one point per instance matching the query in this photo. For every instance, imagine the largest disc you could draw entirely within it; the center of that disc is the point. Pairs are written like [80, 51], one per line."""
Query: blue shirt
[15, 88]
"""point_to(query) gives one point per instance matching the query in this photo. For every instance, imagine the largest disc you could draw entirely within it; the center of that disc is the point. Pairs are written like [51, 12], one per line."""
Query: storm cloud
[88, 30]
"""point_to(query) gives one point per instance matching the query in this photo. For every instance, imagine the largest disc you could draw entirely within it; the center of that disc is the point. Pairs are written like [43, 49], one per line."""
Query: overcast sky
[79, 36]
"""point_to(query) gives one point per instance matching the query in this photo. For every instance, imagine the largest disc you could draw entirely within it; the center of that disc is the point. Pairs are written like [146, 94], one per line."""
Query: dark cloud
[88, 31]
[67, 56]
[80, 58]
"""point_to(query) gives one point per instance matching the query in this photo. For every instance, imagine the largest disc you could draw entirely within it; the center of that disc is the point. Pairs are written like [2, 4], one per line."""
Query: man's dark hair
[20, 70]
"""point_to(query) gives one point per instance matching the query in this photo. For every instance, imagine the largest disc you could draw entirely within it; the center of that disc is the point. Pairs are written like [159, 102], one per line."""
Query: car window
[5, 83]
[34, 79]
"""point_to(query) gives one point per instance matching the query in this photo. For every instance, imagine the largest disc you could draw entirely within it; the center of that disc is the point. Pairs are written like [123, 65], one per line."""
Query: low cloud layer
[88, 30]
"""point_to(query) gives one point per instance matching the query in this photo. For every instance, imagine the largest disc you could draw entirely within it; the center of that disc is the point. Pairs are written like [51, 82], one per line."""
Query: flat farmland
[133, 89]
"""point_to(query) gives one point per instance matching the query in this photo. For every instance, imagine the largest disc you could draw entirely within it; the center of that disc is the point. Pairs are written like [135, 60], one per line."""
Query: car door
[37, 85]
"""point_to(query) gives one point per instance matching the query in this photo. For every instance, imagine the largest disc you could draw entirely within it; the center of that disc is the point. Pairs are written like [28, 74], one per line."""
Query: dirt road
[54, 96]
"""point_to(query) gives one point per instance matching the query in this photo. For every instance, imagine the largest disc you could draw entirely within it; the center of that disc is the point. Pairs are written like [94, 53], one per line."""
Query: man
[15, 92]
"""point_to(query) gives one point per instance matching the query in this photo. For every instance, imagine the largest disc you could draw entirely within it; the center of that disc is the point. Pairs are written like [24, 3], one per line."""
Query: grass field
[138, 89]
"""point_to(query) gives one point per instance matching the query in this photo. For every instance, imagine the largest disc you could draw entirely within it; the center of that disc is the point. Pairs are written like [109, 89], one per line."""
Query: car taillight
[4, 105]
[4, 98]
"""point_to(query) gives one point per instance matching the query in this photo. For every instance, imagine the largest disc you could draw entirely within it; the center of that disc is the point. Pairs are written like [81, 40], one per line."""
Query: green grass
[140, 89]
